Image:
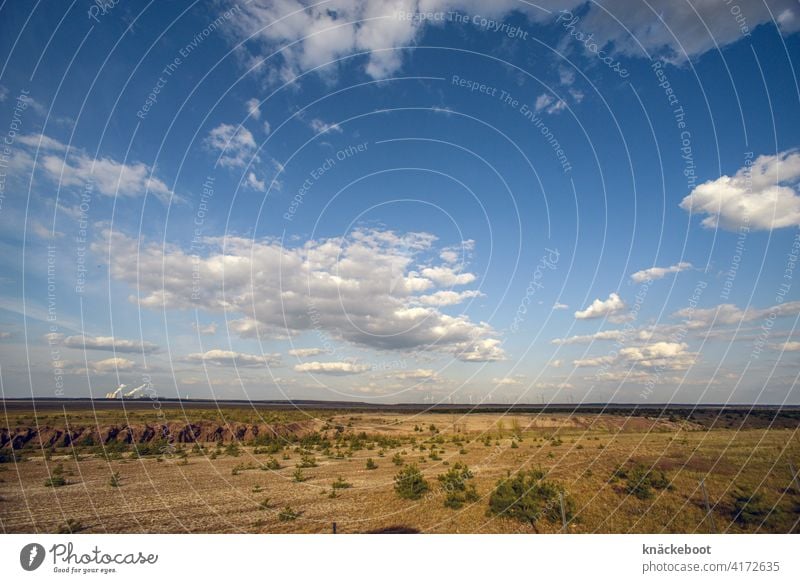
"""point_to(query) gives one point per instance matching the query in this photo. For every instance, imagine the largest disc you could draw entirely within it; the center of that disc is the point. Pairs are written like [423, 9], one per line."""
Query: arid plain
[209, 469]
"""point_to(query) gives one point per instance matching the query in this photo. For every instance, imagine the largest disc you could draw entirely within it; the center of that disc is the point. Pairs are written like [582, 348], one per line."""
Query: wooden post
[708, 506]
[563, 512]
[334, 528]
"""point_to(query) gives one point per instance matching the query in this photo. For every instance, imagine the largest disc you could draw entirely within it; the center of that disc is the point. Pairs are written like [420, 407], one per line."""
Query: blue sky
[401, 201]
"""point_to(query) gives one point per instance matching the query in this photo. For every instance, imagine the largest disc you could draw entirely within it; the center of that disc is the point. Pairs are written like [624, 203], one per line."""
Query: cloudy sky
[402, 200]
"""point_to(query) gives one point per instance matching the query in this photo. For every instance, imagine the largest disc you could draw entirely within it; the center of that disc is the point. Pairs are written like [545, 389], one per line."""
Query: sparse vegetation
[409, 483]
[371, 465]
[288, 514]
[528, 497]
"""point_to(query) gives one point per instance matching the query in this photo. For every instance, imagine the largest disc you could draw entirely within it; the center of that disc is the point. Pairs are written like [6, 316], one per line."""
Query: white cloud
[448, 297]
[332, 368]
[236, 145]
[321, 127]
[560, 306]
[109, 343]
[419, 374]
[254, 183]
[600, 308]
[306, 352]
[74, 168]
[447, 276]
[762, 196]
[791, 346]
[731, 314]
[659, 356]
[230, 358]
[109, 365]
[311, 36]
[514, 381]
[654, 273]
[589, 338]
[207, 330]
[676, 31]
[359, 289]
[252, 107]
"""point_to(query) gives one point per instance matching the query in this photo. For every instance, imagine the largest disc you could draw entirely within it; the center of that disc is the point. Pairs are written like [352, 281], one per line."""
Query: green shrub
[298, 476]
[272, 464]
[340, 484]
[457, 490]
[409, 483]
[641, 480]
[371, 465]
[288, 514]
[749, 508]
[56, 481]
[307, 461]
[116, 480]
[528, 497]
[397, 459]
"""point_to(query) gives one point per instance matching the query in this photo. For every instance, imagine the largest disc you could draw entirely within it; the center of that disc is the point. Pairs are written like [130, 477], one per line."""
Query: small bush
[340, 484]
[371, 465]
[288, 514]
[116, 480]
[55, 481]
[397, 459]
[458, 490]
[640, 480]
[749, 508]
[298, 476]
[528, 497]
[409, 483]
[272, 464]
[307, 461]
[71, 526]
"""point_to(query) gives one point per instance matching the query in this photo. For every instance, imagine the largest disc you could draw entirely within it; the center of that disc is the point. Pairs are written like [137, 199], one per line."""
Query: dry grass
[227, 493]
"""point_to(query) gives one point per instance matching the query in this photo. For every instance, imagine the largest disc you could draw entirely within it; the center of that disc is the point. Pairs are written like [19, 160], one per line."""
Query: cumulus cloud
[589, 338]
[109, 343]
[419, 374]
[514, 381]
[230, 358]
[235, 145]
[655, 273]
[600, 308]
[656, 356]
[108, 365]
[677, 31]
[360, 289]
[321, 127]
[205, 330]
[306, 352]
[72, 167]
[313, 35]
[704, 318]
[448, 297]
[761, 196]
[332, 368]
[252, 107]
